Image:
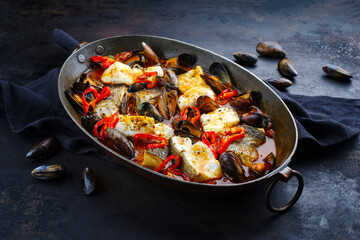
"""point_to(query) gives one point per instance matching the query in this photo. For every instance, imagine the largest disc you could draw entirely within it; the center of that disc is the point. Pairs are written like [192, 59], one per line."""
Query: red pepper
[104, 61]
[122, 56]
[106, 123]
[143, 79]
[98, 97]
[225, 96]
[184, 114]
[173, 167]
[239, 133]
[148, 140]
[209, 138]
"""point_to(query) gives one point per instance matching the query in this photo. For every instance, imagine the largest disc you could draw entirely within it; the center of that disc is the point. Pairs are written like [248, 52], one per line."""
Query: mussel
[336, 72]
[163, 104]
[88, 181]
[186, 134]
[75, 100]
[184, 59]
[231, 167]
[286, 67]
[137, 87]
[131, 104]
[135, 58]
[245, 59]
[214, 83]
[244, 101]
[187, 126]
[44, 149]
[255, 119]
[150, 54]
[121, 142]
[279, 83]
[151, 161]
[170, 74]
[89, 121]
[261, 169]
[218, 70]
[48, 172]
[271, 49]
[206, 104]
[147, 109]
[172, 103]
[177, 70]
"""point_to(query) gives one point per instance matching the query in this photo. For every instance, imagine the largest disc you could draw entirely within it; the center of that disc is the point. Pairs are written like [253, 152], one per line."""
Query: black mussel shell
[147, 109]
[255, 119]
[336, 72]
[218, 70]
[48, 172]
[123, 105]
[286, 67]
[186, 134]
[214, 83]
[177, 70]
[269, 164]
[240, 103]
[136, 58]
[206, 104]
[121, 142]
[271, 49]
[163, 104]
[89, 121]
[150, 55]
[80, 86]
[172, 100]
[187, 126]
[231, 167]
[131, 104]
[44, 149]
[88, 181]
[137, 87]
[172, 77]
[186, 59]
[74, 100]
[245, 59]
[279, 83]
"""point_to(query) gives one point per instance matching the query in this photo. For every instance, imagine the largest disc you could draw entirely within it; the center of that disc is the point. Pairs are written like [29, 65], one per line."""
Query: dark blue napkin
[35, 108]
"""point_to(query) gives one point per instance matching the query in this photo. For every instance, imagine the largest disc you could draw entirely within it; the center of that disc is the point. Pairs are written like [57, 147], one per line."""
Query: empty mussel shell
[137, 87]
[147, 109]
[271, 49]
[219, 71]
[121, 142]
[286, 67]
[279, 83]
[150, 54]
[48, 172]
[263, 168]
[231, 167]
[88, 181]
[255, 119]
[336, 72]
[89, 121]
[245, 59]
[44, 149]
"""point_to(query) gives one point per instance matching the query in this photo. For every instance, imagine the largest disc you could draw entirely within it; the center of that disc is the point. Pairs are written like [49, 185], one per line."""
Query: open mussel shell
[336, 72]
[88, 181]
[89, 121]
[214, 83]
[206, 104]
[279, 83]
[269, 164]
[172, 103]
[121, 142]
[163, 104]
[286, 67]
[218, 70]
[271, 49]
[245, 59]
[48, 172]
[75, 100]
[177, 70]
[130, 104]
[170, 74]
[137, 87]
[186, 134]
[255, 119]
[231, 167]
[244, 100]
[44, 149]
[187, 126]
[150, 55]
[147, 109]
[135, 58]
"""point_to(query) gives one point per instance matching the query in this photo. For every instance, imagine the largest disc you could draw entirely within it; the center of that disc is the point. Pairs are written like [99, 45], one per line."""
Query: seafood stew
[175, 117]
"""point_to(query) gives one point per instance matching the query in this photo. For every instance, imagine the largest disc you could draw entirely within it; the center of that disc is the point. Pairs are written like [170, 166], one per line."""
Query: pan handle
[66, 41]
[285, 175]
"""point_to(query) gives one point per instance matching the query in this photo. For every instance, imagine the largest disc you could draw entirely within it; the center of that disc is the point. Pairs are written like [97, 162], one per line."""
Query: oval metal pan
[283, 121]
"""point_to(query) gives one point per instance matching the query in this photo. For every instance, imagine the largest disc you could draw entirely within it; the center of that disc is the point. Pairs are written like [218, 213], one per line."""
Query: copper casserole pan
[283, 121]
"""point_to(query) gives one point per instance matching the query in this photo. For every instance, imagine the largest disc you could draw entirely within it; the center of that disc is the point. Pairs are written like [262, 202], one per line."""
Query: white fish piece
[189, 98]
[163, 130]
[119, 73]
[105, 108]
[219, 120]
[131, 125]
[198, 161]
[191, 79]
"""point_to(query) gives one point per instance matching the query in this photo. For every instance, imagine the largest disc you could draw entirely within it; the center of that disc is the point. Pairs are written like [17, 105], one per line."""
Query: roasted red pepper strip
[173, 167]
[106, 123]
[184, 114]
[209, 138]
[104, 61]
[225, 96]
[122, 56]
[143, 79]
[226, 140]
[148, 140]
[98, 97]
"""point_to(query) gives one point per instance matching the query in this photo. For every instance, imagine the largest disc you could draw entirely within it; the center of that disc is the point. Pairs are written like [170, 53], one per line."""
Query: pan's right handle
[66, 41]
[285, 175]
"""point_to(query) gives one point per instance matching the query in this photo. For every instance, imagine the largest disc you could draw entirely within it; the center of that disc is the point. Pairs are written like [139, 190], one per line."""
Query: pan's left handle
[66, 41]
[285, 175]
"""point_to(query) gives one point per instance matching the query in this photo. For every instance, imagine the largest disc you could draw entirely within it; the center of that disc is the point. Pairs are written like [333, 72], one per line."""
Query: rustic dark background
[129, 206]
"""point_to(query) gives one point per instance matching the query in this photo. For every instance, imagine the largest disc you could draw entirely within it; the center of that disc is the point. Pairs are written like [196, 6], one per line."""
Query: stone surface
[126, 205]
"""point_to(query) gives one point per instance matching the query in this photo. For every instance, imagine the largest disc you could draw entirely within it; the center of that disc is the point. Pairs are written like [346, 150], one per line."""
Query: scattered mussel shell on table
[336, 72]
[246, 59]
[48, 172]
[231, 167]
[44, 149]
[88, 181]
[271, 49]
[286, 67]
[121, 142]
[147, 109]
[279, 83]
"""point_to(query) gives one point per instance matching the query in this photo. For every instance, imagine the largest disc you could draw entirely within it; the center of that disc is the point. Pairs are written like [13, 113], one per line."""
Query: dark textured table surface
[128, 206]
